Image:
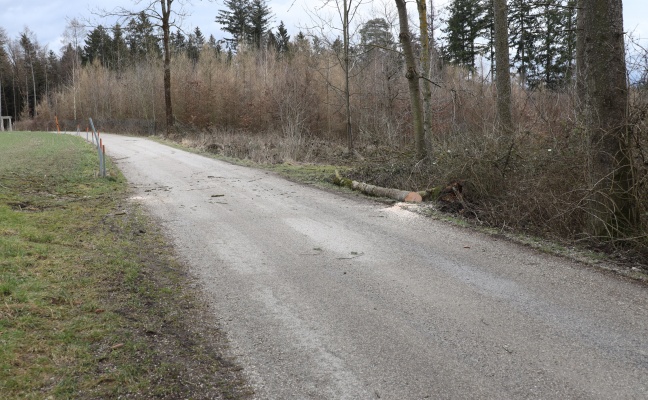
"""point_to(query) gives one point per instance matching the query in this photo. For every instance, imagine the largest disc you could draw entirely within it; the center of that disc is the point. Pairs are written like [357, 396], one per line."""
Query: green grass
[84, 279]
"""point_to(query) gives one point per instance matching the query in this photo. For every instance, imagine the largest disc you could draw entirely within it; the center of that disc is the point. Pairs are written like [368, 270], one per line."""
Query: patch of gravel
[178, 340]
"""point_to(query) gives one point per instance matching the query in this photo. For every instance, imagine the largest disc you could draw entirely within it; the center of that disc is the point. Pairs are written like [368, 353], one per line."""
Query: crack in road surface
[325, 296]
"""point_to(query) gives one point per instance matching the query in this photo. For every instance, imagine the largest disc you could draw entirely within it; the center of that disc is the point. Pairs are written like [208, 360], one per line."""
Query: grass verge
[92, 302]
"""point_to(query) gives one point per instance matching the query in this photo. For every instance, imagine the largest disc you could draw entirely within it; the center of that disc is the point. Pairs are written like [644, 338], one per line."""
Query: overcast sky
[48, 18]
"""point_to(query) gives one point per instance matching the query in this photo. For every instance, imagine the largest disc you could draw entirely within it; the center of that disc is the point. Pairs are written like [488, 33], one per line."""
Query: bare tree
[72, 36]
[3, 41]
[161, 12]
[346, 11]
[344, 14]
[613, 206]
[413, 77]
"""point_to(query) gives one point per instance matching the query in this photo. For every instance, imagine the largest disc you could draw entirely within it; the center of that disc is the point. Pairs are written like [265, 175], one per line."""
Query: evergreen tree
[489, 33]
[195, 44]
[97, 46]
[464, 26]
[214, 45]
[301, 43]
[283, 39]
[235, 21]
[556, 49]
[524, 34]
[375, 34]
[200, 38]
[68, 62]
[52, 71]
[246, 20]
[5, 103]
[178, 42]
[118, 48]
[259, 20]
[543, 37]
[271, 41]
[33, 68]
[141, 38]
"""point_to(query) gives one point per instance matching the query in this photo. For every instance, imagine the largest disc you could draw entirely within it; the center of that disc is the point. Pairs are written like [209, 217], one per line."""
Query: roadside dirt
[176, 337]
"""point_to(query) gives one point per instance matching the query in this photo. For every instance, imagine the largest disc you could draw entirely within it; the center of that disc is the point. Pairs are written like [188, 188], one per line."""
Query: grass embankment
[92, 303]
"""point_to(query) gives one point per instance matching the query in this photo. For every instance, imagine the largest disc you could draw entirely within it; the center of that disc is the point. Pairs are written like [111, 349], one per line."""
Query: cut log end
[413, 197]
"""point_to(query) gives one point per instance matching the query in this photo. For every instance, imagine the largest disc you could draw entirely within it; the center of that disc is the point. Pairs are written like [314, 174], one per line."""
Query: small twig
[351, 258]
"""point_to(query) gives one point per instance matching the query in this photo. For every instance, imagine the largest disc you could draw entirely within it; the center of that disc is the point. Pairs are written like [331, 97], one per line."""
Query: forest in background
[273, 97]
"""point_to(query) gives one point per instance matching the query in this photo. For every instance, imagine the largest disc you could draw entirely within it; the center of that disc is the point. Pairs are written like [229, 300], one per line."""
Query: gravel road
[331, 296]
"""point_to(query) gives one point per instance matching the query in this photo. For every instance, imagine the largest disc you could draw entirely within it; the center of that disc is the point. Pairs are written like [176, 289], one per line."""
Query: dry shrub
[270, 108]
[267, 147]
[639, 126]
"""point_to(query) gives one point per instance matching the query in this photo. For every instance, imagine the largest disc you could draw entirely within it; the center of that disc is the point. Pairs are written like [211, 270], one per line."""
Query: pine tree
[235, 21]
[259, 20]
[97, 46]
[556, 50]
[200, 38]
[118, 48]
[141, 38]
[214, 45]
[463, 27]
[375, 34]
[283, 39]
[246, 20]
[32, 64]
[178, 42]
[195, 44]
[524, 27]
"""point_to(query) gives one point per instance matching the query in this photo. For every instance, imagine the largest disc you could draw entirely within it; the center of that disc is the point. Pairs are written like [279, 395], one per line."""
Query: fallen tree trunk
[371, 190]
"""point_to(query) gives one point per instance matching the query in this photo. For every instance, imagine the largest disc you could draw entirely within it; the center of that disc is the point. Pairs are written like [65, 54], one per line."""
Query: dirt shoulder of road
[184, 349]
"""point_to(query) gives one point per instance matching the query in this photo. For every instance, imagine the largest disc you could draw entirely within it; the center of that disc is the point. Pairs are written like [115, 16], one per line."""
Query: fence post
[103, 158]
[100, 151]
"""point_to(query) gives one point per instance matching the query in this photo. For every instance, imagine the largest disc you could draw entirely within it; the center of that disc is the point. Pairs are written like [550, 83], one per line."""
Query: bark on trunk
[613, 206]
[347, 88]
[425, 70]
[580, 55]
[378, 191]
[166, 28]
[413, 80]
[502, 72]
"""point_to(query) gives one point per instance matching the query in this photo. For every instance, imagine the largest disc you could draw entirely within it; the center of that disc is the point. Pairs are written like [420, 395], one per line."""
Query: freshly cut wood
[372, 190]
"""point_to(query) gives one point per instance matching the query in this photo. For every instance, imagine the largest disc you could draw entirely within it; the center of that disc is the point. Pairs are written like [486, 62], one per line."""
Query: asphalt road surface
[332, 296]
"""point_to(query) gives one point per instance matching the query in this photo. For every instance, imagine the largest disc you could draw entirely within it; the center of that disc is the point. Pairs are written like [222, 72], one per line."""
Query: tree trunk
[613, 208]
[502, 72]
[166, 28]
[378, 191]
[34, 86]
[413, 80]
[580, 55]
[425, 69]
[347, 88]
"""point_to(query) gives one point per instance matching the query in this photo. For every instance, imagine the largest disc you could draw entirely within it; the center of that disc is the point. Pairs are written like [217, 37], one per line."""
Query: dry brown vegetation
[272, 109]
